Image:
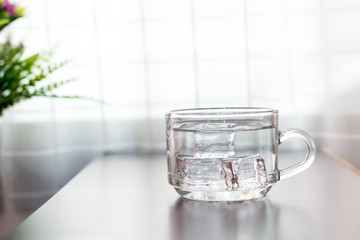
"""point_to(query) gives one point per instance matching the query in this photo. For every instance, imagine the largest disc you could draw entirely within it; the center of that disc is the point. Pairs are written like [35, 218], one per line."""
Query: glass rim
[219, 111]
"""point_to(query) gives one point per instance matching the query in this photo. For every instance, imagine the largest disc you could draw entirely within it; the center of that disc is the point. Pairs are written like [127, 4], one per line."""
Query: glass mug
[228, 154]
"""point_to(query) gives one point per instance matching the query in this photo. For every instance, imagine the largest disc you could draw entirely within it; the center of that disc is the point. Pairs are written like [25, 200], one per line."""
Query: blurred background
[146, 57]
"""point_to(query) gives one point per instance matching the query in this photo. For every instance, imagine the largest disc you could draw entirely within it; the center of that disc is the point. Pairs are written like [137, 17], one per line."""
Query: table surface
[128, 197]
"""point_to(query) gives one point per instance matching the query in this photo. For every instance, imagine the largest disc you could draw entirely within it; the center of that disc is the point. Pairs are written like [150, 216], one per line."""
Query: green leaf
[23, 78]
[4, 22]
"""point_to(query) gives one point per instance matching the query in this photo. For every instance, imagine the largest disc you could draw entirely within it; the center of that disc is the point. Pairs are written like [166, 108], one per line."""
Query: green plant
[23, 77]
[8, 13]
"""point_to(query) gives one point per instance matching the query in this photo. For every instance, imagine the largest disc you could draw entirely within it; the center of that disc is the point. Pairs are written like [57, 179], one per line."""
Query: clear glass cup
[228, 154]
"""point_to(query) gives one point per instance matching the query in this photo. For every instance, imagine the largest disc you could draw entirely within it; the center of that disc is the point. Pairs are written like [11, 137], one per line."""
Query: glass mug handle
[310, 155]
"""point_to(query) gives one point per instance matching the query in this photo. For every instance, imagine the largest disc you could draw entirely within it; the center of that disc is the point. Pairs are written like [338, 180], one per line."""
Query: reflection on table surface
[102, 203]
[257, 219]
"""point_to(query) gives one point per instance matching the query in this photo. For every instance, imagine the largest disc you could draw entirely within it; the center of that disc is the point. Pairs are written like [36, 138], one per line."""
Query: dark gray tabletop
[128, 197]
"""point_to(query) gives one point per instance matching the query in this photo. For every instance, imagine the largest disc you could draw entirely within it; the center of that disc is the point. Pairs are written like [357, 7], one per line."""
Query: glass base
[224, 196]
